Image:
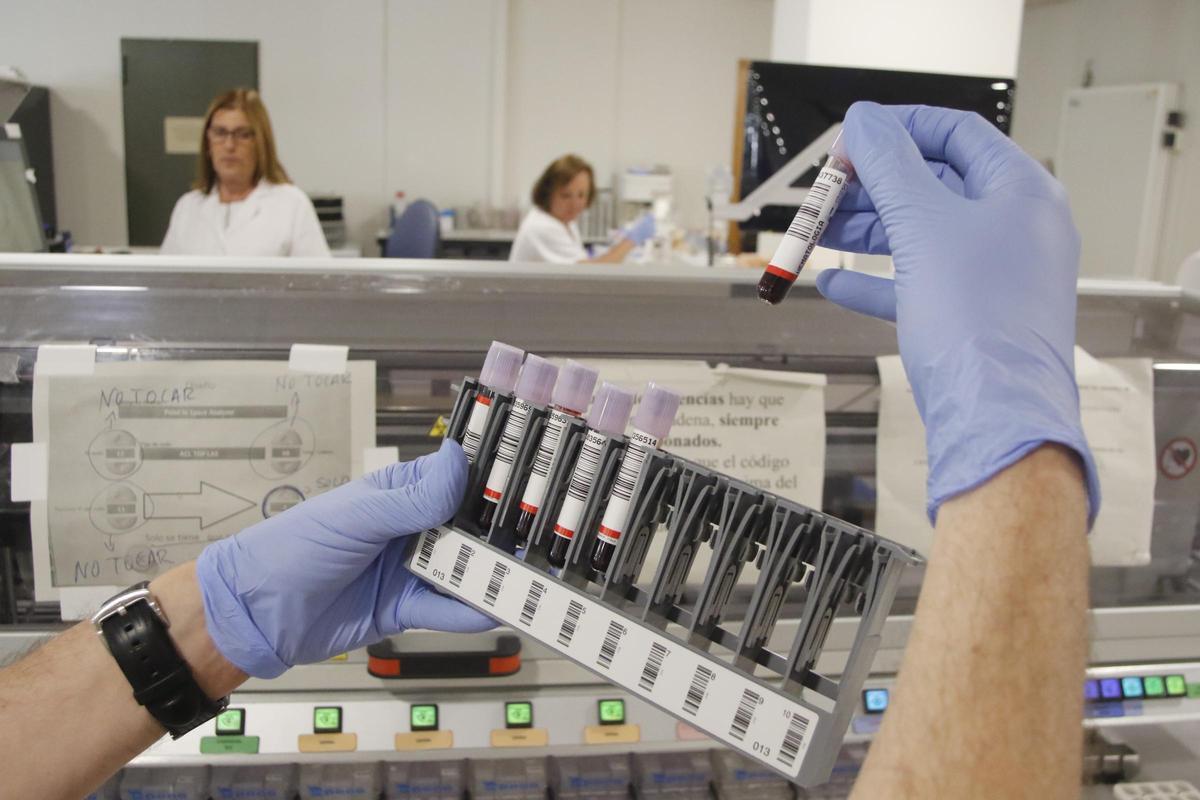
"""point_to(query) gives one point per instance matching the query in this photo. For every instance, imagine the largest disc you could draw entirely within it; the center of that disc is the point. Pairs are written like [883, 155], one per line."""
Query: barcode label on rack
[567, 632]
[732, 707]
[608, 648]
[652, 666]
[745, 714]
[699, 688]
[793, 740]
[475, 425]
[506, 451]
[532, 600]
[461, 561]
[535, 489]
[499, 570]
[428, 541]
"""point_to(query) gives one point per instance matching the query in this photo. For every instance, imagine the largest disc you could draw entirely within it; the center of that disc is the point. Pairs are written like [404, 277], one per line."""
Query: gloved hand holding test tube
[571, 398]
[610, 412]
[655, 415]
[533, 389]
[807, 226]
[499, 374]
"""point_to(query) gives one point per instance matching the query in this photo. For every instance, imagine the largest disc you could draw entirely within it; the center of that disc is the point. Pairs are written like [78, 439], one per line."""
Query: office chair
[415, 234]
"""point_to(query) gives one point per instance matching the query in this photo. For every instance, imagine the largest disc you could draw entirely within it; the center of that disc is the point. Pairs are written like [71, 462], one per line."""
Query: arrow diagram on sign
[209, 506]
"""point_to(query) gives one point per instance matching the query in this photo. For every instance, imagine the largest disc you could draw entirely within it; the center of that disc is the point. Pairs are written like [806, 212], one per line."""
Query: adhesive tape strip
[322, 358]
[29, 464]
[379, 457]
[66, 359]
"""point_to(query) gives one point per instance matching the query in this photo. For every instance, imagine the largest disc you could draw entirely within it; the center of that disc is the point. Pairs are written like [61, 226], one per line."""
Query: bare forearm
[988, 703]
[70, 694]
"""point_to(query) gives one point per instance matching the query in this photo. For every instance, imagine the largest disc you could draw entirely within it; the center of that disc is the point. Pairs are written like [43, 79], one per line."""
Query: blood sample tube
[610, 412]
[807, 226]
[651, 424]
[499, 374]
[533, 389]
[572, 396]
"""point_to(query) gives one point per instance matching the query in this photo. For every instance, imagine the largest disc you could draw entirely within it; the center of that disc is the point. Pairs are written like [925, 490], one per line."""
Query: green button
[221, 745]
[327, 719]
[1176, 686]
[1154, 686]
[612, 712]
[231, 722]
[424, 717]
[518, 715]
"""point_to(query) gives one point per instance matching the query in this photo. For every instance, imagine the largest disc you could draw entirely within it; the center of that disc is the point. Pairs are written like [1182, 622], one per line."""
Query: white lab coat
[275, 219]
[543, 237]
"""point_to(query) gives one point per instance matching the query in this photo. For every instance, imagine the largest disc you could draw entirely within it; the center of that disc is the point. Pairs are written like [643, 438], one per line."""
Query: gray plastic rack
[773, 707]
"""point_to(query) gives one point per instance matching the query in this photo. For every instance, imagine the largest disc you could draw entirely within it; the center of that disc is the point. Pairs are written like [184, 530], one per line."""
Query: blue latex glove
[328, 576]
[986, 260]
[640, 230]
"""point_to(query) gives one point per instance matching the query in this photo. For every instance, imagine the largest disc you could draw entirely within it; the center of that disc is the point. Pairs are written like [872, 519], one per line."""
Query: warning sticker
[1178, 458]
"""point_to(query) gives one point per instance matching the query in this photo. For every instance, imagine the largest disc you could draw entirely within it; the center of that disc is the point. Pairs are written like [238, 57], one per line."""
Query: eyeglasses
[216, 134]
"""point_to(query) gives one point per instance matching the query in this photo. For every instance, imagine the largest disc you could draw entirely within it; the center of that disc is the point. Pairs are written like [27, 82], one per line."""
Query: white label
[581, 484]
[810, 221]
[506, 453]
[547, 453]
[748, 716]
[620, 504]
[475, 425]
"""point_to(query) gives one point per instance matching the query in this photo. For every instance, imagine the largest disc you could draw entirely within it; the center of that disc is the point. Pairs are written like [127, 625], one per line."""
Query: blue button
[1132, 687]
[1091, 690]
[875, 701]
[1110, 689]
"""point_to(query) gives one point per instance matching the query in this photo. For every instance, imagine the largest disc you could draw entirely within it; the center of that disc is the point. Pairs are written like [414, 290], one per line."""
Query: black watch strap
[162, 682]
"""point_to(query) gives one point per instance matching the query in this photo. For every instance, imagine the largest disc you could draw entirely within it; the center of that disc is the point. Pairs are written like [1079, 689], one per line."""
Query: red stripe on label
[781, 272]
[610, 533]
[483, 400]
[566, 533]
[491, 494]
[529, 508]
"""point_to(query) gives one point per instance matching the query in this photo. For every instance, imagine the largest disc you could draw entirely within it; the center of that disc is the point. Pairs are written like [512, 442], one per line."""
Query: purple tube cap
[537, 380]
[501, 366]
[574, 388]
[610, 410]
[657, 410]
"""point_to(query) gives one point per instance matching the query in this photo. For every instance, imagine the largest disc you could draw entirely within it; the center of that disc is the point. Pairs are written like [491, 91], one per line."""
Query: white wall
[977, 37]
[626, 83]
[460, 101]
[1124, 43]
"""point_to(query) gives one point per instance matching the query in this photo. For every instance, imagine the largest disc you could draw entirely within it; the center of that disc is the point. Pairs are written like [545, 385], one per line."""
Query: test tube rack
[686, 657]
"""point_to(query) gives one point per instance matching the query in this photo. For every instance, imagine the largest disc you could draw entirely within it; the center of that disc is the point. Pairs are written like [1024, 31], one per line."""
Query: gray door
[167, 86]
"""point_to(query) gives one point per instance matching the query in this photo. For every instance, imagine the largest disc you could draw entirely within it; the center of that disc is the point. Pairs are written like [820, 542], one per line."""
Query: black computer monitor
[803, 100]
[20, 220]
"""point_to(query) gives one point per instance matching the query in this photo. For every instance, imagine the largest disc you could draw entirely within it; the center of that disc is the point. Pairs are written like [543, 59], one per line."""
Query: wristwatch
[134, 627]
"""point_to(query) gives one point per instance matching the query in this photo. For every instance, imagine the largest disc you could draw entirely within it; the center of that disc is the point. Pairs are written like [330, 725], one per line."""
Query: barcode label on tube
[608, 648]
[506, 451]
[475, 425]
[616, 514]
[653, 666]
[495, 583]
[745, 714]
[567, 632]
[460, 564]
[585, 468]
[532, 601]
[535, 489]
[428, 542]
[793, 740]
[732, 707]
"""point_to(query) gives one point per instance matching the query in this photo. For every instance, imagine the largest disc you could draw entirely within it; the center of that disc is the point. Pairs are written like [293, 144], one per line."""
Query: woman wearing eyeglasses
[242, 202]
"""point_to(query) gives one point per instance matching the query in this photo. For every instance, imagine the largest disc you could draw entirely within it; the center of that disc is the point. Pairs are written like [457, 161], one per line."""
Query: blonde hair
[266, 164]
[561, 172]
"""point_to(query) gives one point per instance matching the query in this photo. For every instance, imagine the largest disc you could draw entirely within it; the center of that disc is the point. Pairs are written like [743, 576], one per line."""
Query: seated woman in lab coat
[549, 233]
[242, 202]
